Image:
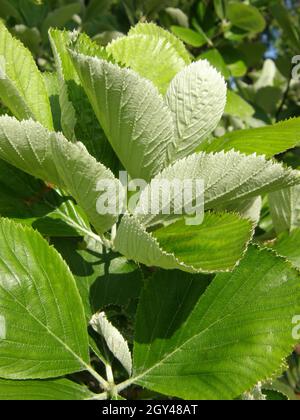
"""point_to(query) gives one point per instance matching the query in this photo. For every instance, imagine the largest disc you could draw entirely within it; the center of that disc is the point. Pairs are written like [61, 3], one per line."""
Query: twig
[284, 98]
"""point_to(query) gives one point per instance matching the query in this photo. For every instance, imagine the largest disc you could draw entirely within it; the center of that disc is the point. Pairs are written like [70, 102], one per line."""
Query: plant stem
[111, 380]
[108, 386]
[105, 242]
[105, 385]
[99, 397]
[123, 385]
[284, 98]
[98, 238]
[109, 374]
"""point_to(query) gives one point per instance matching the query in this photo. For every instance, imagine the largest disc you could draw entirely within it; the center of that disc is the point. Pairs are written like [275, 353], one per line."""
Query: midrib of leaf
[80, 228]
[132, 380]
[137, 105]
[231, 177]
[236, 188]
[136, 378]
[249, 192]
[187, 104]
[230, 191]
[68, 219]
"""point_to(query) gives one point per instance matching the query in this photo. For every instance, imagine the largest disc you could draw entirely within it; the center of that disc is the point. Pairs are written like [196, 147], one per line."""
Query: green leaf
[285, 209]
[152, 52]
[49, 156]
[83, 44]
[228, 177]
[52, 390]
[235, 34]
[30, 37]
[96, 7]
[189, 36]
[106, 37]
[9, 10]
[248, 209]
[53, 90]
[283, 65]
[100, 23]
[268, 141]
[253, 52]
[33, 12]
[152, 30]
[214, 57]
[61, 217]
[173, 16]
[151, 7]
[215, 245]
[216, 346]
[197, 98]
[220, 8]
[114, 340]
[78, 119]
[288, 245]
[135, 118]
[282, 15]
[202, 248]
[245, 17]
[22, 88]
[60, 16]
[135, 243]
[234, 60]
[237, 106]
[268, 99]
[267, 75]
[40, 336]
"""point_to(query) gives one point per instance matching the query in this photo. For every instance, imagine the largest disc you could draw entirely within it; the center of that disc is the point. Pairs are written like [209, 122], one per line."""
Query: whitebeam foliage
[214, 314]
[197, 98]
[40, 337]
[186, 247]
[240, 313]
[22, 88]
[169, 58]
[228, 177]
[50, 157]
[115, 341]
[135, 118]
